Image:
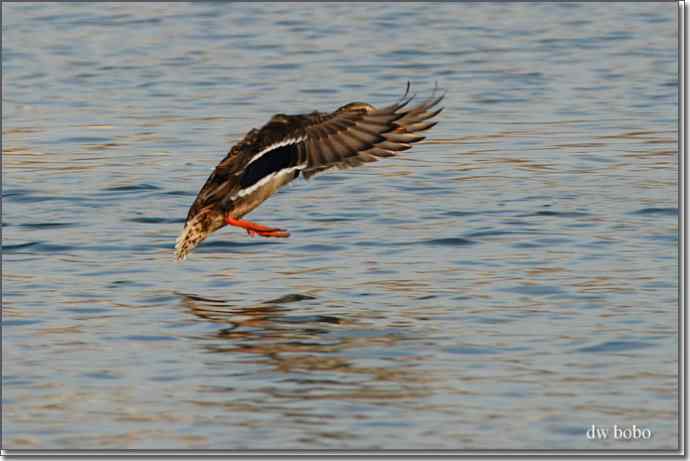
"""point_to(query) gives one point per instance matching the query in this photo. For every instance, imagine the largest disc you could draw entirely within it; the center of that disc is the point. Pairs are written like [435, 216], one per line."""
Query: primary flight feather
[290, 145]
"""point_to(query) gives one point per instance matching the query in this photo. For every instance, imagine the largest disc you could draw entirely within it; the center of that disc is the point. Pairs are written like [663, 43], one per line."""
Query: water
[505, 285]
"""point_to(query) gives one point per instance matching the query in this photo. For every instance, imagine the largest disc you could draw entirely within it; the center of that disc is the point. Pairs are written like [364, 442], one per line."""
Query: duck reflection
[316, 344]
[268, 320]
[320, 375]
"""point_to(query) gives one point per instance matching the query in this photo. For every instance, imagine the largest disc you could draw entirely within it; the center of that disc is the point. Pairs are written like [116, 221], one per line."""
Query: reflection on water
[307, 358]
[292, 343]
[505, 284]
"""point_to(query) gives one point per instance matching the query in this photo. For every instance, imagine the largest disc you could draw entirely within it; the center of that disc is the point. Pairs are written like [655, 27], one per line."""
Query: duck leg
[256, 229]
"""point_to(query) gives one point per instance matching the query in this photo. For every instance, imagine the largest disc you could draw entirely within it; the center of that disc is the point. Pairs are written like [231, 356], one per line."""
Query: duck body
[292, 145]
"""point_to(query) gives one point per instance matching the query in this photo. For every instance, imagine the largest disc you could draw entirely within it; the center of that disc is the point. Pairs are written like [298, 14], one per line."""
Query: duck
[288, 146]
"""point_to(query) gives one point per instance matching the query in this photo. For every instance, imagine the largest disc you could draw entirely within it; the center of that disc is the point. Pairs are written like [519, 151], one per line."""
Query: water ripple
[616, 346]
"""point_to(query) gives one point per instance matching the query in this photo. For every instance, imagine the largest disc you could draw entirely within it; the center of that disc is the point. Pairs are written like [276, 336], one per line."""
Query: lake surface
[505, 285]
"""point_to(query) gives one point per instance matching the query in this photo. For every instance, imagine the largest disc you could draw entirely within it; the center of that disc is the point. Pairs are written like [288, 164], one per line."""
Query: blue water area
[504, 284]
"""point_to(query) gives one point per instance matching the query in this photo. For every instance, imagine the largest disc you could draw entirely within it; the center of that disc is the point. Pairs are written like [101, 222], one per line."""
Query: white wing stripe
[287, 142]
[266, 179]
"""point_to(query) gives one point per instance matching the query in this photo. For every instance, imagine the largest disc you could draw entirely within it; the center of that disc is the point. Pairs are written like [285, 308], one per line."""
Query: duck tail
[195, 231]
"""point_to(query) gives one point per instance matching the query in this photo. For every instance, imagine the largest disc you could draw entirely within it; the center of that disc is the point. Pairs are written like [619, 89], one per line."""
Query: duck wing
[359, 133]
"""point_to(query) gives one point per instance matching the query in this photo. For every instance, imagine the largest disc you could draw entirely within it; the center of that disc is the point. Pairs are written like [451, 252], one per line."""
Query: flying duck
[290, 145]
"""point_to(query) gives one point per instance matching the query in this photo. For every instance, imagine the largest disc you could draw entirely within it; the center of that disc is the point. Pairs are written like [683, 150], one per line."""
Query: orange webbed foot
[254, 229]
